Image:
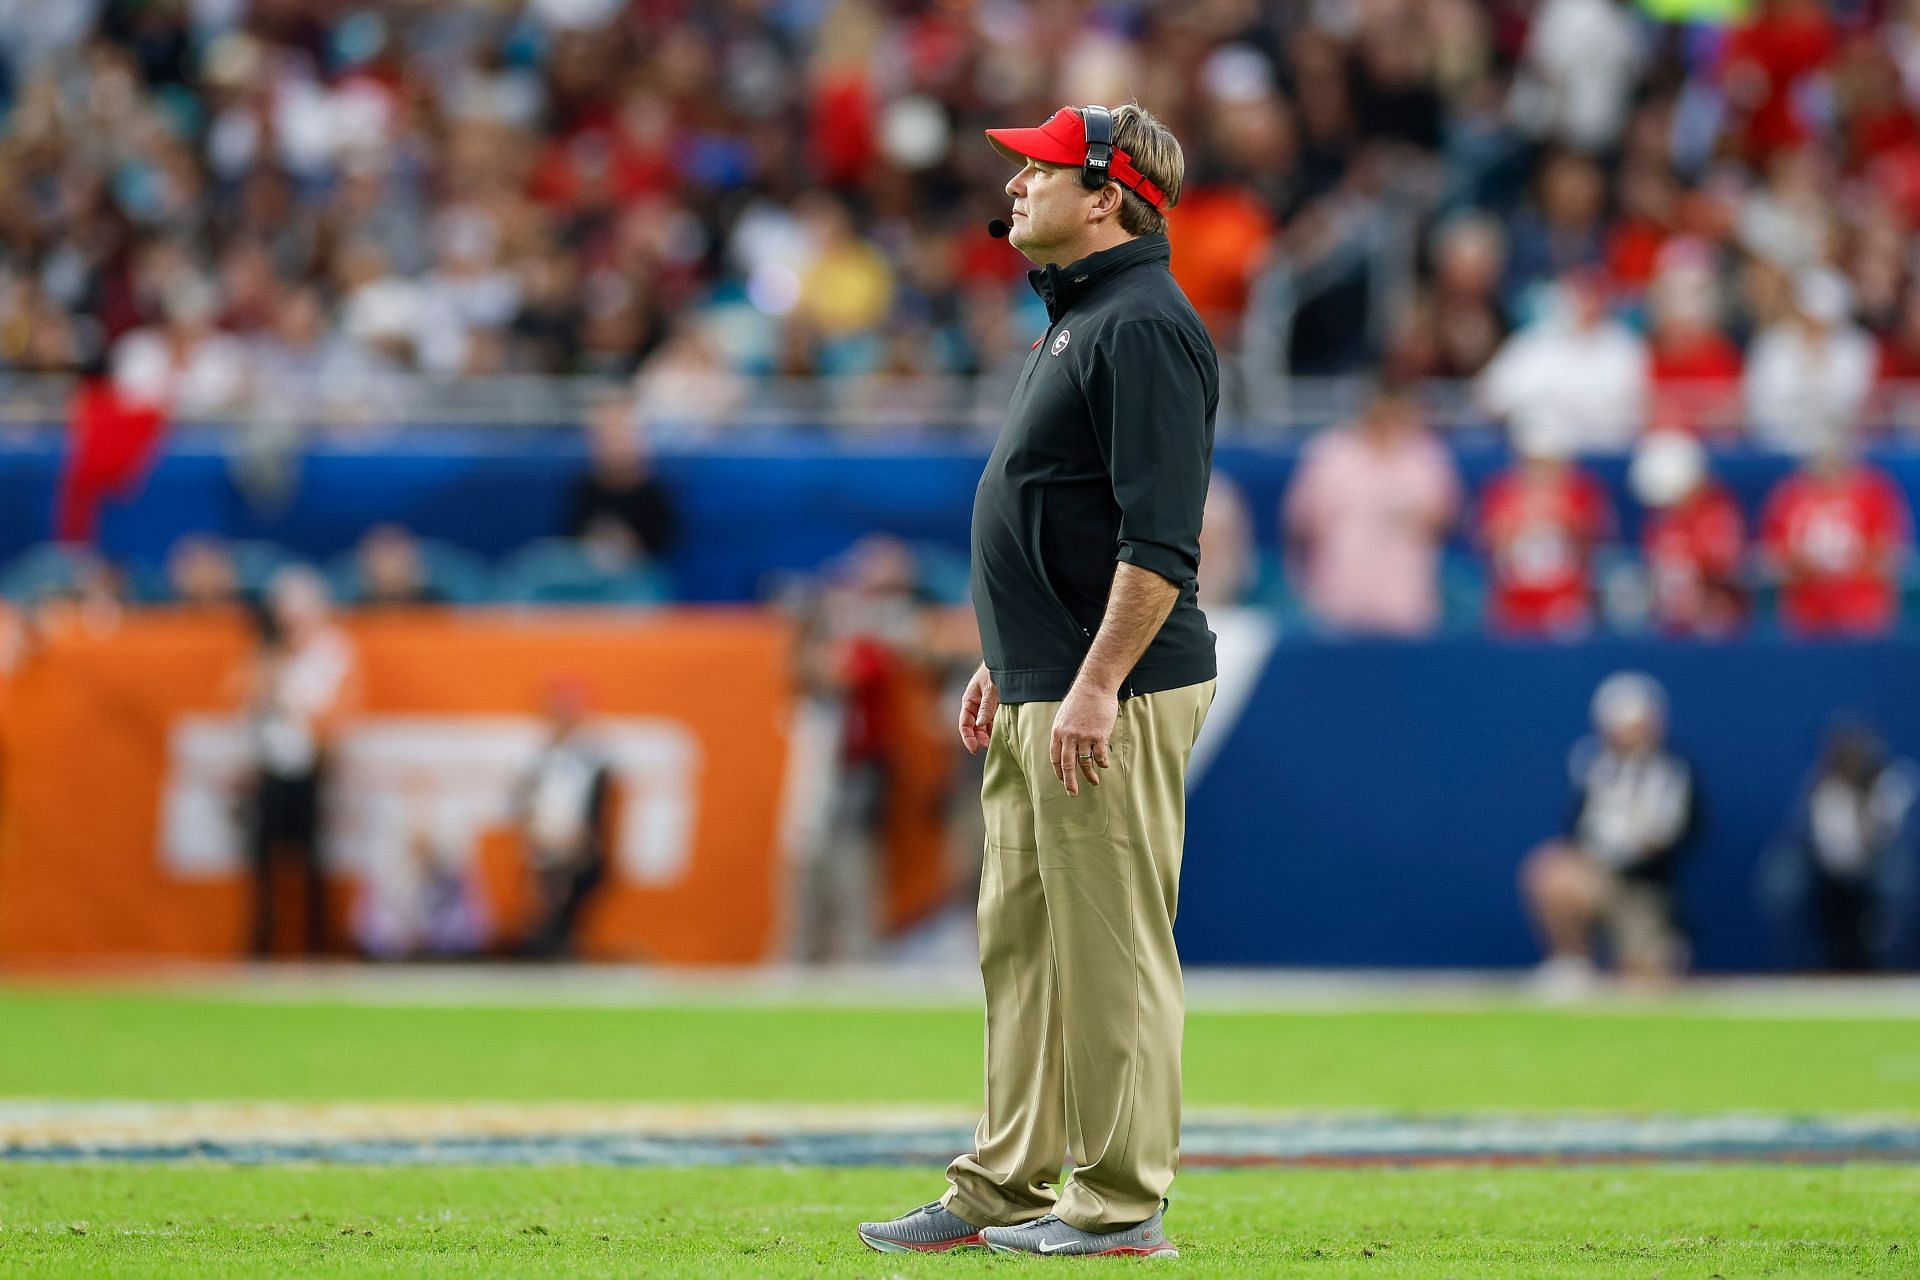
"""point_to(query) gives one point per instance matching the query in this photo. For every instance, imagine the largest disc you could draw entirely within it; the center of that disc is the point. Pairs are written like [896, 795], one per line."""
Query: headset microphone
[999, 228]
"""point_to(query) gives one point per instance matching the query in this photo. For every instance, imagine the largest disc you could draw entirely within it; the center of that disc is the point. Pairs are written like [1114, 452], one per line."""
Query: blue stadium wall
[754, 505]
[1371, 801]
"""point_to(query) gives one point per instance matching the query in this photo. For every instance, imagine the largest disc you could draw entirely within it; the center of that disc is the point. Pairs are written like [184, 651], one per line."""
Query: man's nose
[1014, 187]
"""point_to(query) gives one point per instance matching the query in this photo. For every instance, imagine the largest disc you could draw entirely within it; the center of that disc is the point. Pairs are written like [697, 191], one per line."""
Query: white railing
[710, 407]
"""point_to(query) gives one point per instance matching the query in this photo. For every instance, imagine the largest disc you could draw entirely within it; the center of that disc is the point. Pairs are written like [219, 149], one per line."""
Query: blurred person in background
[623, 512]
[1643, 229]
[1469, 324]
[860, 633]
[465, 304]
[562, 809]
[846, 288]
[1368, 511]
[1539, 523]
[1226, 545]
[1577, 73]
[1842, 875]
[201, 572]
[299, 691]
[1695, 368]
[1836, 534]
[1809, 374]
[305, 372]
[687, 386]
[1788, 220]
[390, 570]
[1577, 366]
[1900, 348]
[186, 368]
[1765, 64]
[1693, 538]
[1612, 871]
[1559, 237]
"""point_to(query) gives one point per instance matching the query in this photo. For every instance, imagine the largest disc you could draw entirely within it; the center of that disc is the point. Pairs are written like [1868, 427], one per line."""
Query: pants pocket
[1091, 812]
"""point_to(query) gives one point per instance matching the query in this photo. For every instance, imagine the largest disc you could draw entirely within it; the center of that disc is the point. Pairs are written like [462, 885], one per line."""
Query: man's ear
[1106, 203]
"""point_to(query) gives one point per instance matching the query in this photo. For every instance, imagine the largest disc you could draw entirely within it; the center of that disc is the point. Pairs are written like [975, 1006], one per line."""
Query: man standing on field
[1099, 671]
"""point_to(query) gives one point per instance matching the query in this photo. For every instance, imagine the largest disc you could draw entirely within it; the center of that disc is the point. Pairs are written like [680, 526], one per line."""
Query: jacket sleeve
[1152, 398]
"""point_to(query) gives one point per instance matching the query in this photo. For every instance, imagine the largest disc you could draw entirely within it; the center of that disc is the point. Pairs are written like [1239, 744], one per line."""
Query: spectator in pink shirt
[1366, 515]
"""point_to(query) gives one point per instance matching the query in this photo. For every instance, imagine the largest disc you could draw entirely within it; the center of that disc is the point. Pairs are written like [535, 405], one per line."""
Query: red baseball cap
[1063, 140]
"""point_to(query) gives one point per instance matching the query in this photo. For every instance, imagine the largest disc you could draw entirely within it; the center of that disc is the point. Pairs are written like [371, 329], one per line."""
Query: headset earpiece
[1097, 170]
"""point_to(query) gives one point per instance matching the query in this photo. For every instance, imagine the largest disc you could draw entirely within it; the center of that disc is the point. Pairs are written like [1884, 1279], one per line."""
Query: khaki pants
[1085, 1003]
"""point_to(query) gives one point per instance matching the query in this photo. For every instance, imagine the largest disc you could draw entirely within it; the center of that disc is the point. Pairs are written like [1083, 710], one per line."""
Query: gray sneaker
[1050, 1235]
[928, 1229]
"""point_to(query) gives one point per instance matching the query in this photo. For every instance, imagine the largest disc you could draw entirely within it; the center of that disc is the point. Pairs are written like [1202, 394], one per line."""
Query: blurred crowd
[1610, 220]
[1619, 230]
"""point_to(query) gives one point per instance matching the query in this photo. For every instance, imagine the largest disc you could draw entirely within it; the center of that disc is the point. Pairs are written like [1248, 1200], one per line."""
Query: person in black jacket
[622, 512]
[1099, 672]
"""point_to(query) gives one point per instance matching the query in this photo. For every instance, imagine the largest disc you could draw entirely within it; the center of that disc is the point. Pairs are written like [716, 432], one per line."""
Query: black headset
[1096, 169]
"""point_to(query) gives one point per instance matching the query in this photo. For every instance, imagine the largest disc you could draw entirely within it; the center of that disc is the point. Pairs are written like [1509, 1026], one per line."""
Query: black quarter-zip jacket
[1104, 458]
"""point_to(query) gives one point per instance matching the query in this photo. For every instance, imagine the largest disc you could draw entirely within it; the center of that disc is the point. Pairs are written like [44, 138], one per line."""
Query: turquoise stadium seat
[558, 571]
[51, 568]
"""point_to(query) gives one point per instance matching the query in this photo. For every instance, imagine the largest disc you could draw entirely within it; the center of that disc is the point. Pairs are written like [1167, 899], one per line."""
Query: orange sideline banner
[119, 762]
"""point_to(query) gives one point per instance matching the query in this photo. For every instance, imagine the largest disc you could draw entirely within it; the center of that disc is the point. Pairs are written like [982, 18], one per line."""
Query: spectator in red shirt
[1695, 368]
[1900, 349]
[1835, 533]
[1764, 64]
[1540, 521]
[1649, 198]
[1693, 538]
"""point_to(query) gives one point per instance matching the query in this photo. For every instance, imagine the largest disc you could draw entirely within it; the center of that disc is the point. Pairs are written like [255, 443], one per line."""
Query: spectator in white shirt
[1578, 72]
[186, 367]
[1809, 374]
[1576, 366]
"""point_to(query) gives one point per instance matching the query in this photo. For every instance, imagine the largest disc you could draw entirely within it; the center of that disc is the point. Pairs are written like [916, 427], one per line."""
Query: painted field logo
[1060, 343]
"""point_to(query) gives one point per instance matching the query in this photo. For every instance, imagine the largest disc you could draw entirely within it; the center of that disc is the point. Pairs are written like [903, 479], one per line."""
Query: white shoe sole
[1123, 1251]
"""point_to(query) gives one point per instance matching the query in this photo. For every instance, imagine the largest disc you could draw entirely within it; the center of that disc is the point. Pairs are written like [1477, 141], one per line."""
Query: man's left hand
[1081, 730]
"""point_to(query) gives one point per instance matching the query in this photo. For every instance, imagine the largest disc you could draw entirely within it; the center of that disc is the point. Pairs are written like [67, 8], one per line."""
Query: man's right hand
[977, 710]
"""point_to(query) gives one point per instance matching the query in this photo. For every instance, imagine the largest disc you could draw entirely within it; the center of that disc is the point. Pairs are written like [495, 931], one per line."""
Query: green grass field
[155, 1046]
[117, 1218]
[1740, 1221]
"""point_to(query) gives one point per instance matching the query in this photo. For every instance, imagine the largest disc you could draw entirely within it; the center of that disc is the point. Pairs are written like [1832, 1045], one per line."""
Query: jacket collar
[1060, 287]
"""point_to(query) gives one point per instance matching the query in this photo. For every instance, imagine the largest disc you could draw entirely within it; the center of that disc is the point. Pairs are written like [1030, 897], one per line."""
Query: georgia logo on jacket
[1060, 343]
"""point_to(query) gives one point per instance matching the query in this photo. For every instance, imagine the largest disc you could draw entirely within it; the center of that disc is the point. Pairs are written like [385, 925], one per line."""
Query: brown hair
[1156, 154]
